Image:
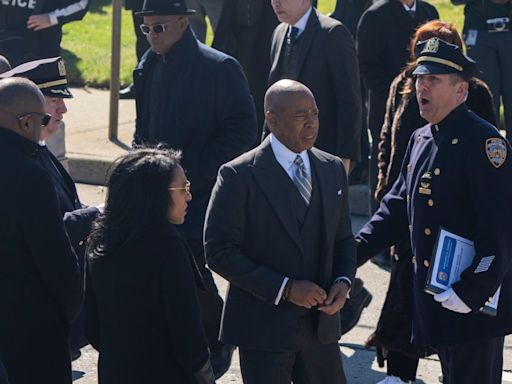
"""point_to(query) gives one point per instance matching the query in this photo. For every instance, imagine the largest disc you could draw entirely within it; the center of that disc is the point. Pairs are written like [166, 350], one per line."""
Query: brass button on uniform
[413, 259]
[427, 231]
[81, 242]
[455, 141]
[437, 171]
[430, 202]
[396, 256]
[409, 166]
[426, 263]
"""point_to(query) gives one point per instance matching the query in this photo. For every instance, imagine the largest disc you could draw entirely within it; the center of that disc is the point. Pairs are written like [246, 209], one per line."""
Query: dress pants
[309, 362]
[475, 362]
[402, 366]
[210, 302]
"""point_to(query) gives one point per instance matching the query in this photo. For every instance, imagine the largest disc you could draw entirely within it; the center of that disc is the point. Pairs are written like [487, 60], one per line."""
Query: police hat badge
[496, 150]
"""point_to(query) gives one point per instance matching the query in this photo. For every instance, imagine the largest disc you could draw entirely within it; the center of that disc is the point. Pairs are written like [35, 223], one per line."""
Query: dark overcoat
[142, 313]
[470, 196]
[402, 119]
[328, 67]
[383, 38]
[208, 113]
[252, 240]
[40, 282]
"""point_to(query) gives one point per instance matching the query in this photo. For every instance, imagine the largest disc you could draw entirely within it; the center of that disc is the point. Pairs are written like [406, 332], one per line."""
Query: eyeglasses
[157, 28]
[186, 188]
[46, 117]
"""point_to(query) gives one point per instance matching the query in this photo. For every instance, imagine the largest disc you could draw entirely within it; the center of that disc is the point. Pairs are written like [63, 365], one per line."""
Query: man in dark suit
[319, 52]
[40, 283]
[278, 229]
[196, 99]
[383, 36]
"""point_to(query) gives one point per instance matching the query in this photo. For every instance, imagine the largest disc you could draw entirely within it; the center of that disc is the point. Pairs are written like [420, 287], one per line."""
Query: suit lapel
[277, 46]
[307, 38]
[328, 187]
[269, 176]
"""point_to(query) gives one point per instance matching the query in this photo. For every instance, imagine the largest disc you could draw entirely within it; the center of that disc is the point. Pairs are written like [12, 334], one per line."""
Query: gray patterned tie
[302, 179]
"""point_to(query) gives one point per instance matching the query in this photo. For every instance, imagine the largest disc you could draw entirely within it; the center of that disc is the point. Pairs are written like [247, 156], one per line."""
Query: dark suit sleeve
[224, 235]
[344, 255]
[78, 224]
[371, 52]
[182, 308]
[343, 65]
[236, 117]
[47, 241]
[389, 224]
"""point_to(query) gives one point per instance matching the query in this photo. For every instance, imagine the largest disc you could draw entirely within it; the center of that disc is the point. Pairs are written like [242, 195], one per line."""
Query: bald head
[19, 97]
[4, 64]
[292, 115]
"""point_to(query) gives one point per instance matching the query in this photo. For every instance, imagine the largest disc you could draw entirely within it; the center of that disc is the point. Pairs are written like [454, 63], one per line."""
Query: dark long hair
[137, 200]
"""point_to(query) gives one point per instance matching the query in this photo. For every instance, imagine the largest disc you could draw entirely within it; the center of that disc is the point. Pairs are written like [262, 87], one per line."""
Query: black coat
[470, 197]
[40, 283]
[383, 38]
[210, 117]
[78, 220]
[402, 119]
[245, 32]
[349, 12]
[142, 313]
[328, 67]
[252, 240]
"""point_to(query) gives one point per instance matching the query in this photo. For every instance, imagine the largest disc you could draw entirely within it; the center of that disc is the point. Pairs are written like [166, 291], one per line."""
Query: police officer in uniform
[457, 175]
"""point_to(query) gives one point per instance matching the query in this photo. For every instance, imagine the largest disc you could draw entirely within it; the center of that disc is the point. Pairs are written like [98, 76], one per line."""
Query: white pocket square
[339, 192]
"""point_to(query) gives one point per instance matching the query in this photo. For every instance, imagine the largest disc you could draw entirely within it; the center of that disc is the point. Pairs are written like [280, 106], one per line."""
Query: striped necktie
[302, 179]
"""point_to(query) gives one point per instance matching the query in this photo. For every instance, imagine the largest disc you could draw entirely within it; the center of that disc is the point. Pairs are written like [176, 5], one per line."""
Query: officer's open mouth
[424, 101]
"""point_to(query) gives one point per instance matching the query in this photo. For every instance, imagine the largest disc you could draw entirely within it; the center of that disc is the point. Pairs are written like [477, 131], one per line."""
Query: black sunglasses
[46, 117]
[157, 28]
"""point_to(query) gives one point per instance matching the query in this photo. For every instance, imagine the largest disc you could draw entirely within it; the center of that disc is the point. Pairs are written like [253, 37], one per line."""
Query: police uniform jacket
[203, 107]
[394, 327]
[20, 44]
[40, 283]
[464, 172]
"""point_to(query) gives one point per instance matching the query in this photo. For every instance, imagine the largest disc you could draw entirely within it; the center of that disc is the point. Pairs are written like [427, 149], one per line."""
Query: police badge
[496, 150]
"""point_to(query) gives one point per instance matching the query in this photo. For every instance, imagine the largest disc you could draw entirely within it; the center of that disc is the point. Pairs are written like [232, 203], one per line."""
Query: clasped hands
[308, 295]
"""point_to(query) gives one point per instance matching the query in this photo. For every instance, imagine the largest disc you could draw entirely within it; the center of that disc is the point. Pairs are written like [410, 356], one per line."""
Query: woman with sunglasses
[142, 313]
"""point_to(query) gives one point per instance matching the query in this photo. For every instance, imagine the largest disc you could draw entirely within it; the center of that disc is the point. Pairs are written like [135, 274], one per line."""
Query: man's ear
[462, 90]
[271, 119]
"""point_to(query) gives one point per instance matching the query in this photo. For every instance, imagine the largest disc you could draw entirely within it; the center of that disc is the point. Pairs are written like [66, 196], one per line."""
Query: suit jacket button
[455, 141]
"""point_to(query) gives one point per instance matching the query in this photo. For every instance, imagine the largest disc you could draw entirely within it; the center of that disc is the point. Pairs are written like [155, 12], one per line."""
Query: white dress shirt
[303, 21]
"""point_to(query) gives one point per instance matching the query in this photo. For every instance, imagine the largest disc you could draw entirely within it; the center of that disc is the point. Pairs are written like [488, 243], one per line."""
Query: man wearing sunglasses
[196, 99]
[40, 283]
[50, 76]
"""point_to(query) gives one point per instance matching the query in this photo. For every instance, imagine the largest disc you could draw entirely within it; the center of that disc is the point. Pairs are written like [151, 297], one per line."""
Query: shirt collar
[413, 8]
[450, 121]
[303, 21]
[285, 156]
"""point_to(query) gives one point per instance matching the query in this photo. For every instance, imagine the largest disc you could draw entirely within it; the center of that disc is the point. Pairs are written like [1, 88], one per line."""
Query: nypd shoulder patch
[496, 150]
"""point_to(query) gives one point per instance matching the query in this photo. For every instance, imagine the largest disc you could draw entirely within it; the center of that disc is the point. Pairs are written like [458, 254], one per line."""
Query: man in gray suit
[278, 229]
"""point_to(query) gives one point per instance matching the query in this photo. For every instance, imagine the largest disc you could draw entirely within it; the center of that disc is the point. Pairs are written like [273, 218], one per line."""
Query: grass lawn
[86, 43]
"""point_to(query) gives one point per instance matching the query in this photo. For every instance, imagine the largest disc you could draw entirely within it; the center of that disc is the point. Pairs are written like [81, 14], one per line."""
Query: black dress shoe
[221, 359]
[351, 312]
[127, 93]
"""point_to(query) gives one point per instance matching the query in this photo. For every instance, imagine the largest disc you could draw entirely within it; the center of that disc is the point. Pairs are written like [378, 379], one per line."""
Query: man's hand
[306, 294]
[336, 298]
[38, 22]
[450, 300]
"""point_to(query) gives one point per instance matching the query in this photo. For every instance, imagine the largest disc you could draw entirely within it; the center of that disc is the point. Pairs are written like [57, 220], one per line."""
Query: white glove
[451, 301]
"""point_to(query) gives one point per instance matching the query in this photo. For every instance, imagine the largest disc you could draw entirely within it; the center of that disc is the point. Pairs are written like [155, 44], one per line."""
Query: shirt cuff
[343, 278]
[281, 291]
[53, 18]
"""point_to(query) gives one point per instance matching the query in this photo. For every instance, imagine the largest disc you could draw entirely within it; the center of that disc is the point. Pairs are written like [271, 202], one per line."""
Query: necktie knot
[293, 33]
[299, 163]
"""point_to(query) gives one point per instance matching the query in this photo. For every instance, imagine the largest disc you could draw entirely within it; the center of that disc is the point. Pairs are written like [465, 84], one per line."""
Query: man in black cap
[50, 76]
[194, 98]
[40, 283]
[457, 176]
